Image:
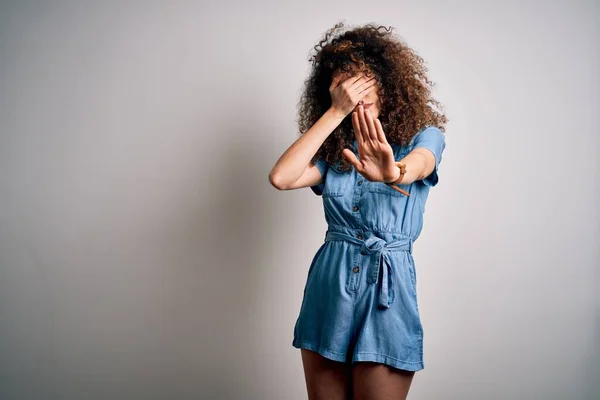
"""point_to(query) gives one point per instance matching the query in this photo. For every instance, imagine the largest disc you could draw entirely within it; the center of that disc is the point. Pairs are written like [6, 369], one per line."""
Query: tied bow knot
[378, 247]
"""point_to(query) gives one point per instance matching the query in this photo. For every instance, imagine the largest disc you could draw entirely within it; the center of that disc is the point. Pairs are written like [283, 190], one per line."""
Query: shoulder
[432, 138]
[428, 132]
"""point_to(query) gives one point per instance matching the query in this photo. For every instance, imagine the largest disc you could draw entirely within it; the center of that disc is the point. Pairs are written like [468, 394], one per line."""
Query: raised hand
[376, 161]
[346, 94]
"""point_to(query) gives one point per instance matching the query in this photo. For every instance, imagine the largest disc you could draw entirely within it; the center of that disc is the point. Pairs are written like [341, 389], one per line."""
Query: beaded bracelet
[402, 167]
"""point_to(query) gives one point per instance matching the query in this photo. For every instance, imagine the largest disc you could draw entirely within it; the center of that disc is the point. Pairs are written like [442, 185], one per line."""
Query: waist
[371, 239]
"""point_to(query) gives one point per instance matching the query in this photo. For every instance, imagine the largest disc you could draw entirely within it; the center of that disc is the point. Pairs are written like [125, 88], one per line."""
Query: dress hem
[362, 356]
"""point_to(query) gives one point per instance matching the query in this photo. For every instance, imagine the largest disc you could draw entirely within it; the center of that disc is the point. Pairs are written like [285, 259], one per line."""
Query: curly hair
[404, 89]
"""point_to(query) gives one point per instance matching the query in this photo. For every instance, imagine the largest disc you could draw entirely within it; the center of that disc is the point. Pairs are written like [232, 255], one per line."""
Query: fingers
[380, 132]
[366, 86]
[367, 133]
[340, 79]
[360, 140]
[367, 90]
[362, 84]
[371, 126]
[351, 81]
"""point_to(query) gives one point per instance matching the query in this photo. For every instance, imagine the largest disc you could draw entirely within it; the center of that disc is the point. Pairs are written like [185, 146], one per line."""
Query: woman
[370, 145]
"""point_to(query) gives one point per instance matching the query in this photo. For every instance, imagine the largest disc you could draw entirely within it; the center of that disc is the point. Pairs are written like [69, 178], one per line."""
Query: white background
[144, 254]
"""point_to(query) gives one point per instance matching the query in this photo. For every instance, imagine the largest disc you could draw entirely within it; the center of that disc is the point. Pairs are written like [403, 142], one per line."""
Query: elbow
[275, 181]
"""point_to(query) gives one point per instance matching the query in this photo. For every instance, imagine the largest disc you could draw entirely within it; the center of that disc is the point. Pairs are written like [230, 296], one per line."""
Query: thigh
[325, 378]
[375, 381]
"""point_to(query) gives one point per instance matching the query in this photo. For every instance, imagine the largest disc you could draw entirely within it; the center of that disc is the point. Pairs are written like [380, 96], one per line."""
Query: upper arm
[431, 143]
[313, 177]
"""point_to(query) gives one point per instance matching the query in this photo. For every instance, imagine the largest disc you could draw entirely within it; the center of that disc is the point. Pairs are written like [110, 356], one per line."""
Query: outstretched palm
[376, 161]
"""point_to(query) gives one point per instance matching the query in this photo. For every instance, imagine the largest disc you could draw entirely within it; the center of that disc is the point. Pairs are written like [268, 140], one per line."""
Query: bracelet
[402, 167]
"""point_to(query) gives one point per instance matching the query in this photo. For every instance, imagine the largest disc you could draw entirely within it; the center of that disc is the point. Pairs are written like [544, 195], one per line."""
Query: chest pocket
[336, 182]
[382, 188]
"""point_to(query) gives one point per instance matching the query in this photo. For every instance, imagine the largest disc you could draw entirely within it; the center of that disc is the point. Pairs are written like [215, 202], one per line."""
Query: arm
[420, 163]
[292, 170]
[423, 161]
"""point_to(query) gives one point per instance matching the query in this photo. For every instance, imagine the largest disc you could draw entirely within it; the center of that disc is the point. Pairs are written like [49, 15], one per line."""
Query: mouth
[366, 105]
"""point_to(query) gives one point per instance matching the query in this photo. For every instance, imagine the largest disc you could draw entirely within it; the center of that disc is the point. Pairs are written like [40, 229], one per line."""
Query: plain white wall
[144, 254]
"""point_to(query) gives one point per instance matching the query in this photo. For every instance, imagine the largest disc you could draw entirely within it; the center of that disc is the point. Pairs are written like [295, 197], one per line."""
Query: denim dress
[360, 296]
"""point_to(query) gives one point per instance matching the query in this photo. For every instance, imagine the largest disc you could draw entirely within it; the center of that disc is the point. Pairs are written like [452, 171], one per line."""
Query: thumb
[351, 157]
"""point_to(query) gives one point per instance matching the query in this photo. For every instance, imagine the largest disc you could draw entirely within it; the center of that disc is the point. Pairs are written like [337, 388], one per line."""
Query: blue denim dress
[360, 297]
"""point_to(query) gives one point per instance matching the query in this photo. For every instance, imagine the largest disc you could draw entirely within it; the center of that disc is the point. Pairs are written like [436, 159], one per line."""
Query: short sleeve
[322, 166]
[431, 138]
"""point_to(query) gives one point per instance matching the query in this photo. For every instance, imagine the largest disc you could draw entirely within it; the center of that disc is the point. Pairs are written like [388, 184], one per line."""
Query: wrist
[395, 178]
[336, 113]
[402, 171]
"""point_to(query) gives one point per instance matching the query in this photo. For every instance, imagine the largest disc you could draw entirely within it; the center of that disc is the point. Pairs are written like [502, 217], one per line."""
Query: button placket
[355, 271]
[356, 196]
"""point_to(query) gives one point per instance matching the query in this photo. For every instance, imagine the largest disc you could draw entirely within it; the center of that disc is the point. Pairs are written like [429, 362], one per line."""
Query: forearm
[416, 165]
[296, 158]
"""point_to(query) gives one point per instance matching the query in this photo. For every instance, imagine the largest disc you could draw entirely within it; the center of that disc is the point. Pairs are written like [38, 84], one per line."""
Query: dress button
[355, 208]
[359, 182]
[359, 236]
[355, 269]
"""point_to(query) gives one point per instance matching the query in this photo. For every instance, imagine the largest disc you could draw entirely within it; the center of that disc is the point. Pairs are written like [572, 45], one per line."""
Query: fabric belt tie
[380, 248]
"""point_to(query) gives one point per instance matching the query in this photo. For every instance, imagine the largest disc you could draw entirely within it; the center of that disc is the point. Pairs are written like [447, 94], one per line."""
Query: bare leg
[375, 381]
[325, 379]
